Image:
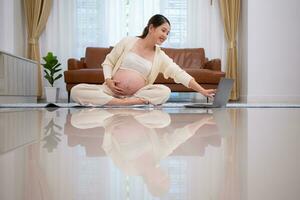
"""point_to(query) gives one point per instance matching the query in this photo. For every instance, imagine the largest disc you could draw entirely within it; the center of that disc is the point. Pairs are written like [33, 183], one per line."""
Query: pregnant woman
[131, 68]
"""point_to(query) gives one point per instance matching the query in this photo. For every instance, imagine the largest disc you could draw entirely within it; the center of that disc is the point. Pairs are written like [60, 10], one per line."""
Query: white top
[132, 61]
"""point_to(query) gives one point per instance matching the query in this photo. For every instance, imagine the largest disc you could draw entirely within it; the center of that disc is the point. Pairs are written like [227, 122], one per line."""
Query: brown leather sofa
[192, 60]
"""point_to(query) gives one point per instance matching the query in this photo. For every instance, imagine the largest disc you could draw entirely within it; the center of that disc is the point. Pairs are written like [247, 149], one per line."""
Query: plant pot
[51, 94]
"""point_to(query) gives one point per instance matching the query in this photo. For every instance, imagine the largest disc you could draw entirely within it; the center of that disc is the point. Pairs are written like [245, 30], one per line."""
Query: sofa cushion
[187, 58]
[96, 76]
[201, 76]
[95, 56]
[93, 76]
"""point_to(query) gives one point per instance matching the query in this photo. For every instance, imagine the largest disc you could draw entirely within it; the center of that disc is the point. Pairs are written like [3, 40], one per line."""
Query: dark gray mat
[165, 105]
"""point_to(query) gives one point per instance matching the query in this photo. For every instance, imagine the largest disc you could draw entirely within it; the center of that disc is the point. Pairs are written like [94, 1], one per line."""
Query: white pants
[90, 94]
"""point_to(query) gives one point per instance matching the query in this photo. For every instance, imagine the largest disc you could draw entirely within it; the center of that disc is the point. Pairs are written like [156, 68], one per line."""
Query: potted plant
[51, 69]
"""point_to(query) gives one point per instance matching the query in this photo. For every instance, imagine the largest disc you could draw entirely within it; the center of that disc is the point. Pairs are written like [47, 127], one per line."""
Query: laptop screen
[223, 92]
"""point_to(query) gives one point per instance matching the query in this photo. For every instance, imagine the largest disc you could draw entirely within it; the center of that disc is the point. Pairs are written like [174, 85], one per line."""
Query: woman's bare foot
[127, 101]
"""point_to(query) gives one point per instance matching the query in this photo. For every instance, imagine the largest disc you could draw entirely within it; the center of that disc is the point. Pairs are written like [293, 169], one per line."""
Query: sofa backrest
[188, 57]
[185, 58]
[94, 56]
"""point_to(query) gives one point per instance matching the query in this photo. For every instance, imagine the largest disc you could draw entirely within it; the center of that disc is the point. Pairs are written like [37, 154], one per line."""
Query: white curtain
[115, 22]
[205, 29]
[59, 37]
[12, 23]
[75, 24]
[139, 12]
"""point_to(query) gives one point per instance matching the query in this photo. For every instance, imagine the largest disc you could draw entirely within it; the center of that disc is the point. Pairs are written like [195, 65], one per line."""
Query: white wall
[271, 58]
[12, 23]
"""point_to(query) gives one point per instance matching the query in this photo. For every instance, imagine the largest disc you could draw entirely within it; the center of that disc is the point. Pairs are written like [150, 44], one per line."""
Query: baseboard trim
[270, 99]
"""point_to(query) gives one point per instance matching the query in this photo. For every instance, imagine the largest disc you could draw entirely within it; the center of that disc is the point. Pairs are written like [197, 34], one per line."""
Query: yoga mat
[165, 105]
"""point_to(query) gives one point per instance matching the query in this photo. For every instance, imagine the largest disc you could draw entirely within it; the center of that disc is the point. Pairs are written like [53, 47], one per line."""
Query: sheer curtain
[139, 12]
[205, 29]
[12, 23]
[75, 24]
[194, 23]
[115, 22]
[59, 37]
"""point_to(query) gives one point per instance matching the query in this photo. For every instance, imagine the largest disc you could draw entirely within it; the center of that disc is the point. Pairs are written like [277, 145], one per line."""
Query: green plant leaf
[57, 70]
[51, 68]
[46, 72]
[59, 76]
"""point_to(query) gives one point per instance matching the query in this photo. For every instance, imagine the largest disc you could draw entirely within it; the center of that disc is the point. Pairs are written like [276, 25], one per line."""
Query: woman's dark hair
[155, 20]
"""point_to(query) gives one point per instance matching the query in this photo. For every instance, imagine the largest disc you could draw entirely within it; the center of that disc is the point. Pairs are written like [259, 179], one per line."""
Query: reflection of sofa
[88, 70]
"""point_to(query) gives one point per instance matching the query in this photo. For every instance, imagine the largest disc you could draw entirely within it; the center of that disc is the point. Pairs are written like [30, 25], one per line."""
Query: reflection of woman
[131, 69]
[132, 142]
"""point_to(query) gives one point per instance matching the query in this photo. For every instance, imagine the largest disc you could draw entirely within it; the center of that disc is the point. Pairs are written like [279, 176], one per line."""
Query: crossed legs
[89, 94]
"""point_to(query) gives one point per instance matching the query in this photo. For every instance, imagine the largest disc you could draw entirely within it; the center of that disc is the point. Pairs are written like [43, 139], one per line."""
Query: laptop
[221, 97]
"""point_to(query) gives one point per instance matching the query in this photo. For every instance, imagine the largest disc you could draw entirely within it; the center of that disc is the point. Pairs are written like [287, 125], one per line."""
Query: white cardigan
[161, 63]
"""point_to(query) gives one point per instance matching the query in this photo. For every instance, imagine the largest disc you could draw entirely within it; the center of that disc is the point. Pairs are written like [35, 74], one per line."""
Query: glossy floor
[116, 154]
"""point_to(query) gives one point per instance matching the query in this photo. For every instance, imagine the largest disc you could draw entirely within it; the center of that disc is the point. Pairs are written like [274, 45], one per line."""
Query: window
[93, 17]
[176, 12]
[89, 24]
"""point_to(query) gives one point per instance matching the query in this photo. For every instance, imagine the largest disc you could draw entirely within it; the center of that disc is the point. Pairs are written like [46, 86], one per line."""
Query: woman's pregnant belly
[130, 81]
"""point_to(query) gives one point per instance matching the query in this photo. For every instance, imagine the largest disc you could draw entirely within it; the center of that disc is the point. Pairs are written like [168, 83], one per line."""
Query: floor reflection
[18, 128]
[120, 154]
[137, 140]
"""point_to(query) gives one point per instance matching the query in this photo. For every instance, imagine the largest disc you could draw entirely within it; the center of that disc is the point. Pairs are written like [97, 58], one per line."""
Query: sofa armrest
[214, 64]
[73, 63]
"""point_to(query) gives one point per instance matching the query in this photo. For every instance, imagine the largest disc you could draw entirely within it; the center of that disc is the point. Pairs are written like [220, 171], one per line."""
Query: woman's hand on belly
[112, 85]
[129, 81]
